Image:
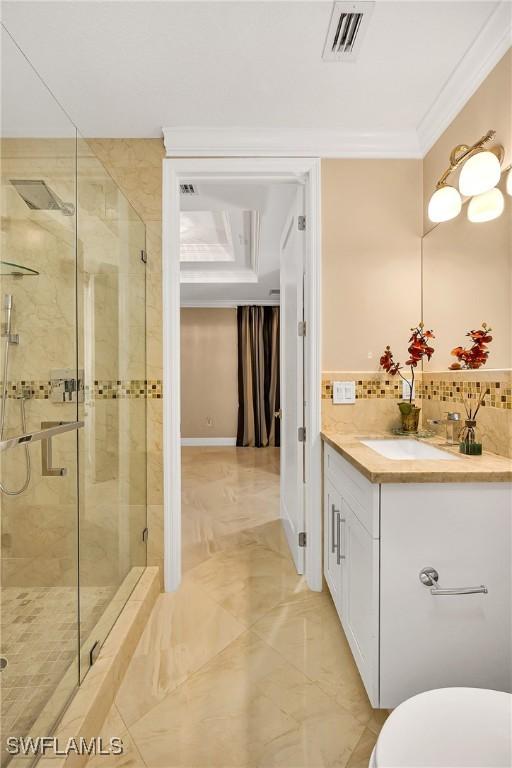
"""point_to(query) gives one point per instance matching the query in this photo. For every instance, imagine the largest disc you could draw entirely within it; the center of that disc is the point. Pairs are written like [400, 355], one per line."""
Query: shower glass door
[112, 363]
[73, 404]
[39, 478]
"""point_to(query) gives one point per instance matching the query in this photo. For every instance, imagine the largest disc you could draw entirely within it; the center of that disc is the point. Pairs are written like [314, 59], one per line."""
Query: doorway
[238, 285]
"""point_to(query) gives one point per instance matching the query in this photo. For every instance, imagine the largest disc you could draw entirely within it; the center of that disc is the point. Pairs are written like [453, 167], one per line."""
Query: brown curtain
[258, 376]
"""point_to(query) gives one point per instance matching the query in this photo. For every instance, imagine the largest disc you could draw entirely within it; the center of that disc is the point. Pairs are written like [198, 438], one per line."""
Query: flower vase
[410, 416]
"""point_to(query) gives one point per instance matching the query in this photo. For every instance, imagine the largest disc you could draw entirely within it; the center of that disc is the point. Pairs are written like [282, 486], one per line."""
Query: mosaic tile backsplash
[130, 389]
[429, 387]
[377, 395]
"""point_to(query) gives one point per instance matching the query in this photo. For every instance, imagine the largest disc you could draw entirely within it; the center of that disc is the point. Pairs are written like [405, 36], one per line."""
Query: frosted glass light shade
[509, 182]
[479, 174]
[445, 204]
[487, 206]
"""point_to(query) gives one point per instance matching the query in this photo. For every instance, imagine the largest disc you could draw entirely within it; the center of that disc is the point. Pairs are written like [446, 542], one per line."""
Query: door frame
[305, 170]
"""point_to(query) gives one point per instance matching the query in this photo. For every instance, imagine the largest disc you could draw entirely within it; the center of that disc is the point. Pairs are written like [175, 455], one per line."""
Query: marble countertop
[488, 468]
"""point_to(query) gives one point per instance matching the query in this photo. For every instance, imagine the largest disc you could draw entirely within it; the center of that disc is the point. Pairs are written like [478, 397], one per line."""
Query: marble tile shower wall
[377, 394]
[136, 167]
[39, 529]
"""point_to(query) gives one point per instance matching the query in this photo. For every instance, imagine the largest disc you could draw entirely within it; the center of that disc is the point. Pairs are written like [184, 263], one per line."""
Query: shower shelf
[15, 270]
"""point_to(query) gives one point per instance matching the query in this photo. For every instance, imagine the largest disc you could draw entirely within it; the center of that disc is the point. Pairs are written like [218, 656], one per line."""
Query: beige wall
[209, 384]
[488, 108]
[371, 259]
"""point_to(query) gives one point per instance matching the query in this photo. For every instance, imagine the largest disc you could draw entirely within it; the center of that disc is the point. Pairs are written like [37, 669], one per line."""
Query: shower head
[39, 197]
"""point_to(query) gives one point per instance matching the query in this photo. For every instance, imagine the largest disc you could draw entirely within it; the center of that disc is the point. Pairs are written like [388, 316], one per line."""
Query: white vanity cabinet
[351, 557]
[377, 539]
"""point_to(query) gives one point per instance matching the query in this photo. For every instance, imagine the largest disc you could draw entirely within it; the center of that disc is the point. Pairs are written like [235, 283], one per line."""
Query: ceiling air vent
[188, 189]
[349, 22]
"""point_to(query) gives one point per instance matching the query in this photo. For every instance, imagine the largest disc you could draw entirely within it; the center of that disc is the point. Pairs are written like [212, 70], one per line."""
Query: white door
[292, 379]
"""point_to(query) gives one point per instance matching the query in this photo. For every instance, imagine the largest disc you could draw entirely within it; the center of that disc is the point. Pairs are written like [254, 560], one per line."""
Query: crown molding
[489, 47]
[262, 142]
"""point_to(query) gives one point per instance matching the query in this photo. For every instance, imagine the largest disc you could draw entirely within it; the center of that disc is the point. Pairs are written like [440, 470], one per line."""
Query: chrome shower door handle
[429, 577]
[47, 470]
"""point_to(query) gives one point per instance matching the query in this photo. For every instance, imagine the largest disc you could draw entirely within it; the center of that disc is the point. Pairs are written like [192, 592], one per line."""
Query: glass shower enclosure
[73, 403]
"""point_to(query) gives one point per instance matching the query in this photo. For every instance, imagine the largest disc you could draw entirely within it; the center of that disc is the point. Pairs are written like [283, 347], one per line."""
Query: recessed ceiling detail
[206, 236]
[219, 246]
[348, 25]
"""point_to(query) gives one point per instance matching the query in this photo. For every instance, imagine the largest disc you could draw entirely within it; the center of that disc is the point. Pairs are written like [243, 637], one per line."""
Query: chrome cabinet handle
[333, 528]
[339, 521]
[429, 577]
[43, 434]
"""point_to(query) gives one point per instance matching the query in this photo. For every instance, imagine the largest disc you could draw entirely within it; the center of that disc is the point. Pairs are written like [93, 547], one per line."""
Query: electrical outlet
[343, 392]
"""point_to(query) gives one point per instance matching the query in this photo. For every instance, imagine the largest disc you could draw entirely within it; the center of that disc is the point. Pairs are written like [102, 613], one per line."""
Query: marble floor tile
[247, 707]
[185, 630]
[114, 727]
[243, 667]
[249, 581]
[360, 757]
[309, 635]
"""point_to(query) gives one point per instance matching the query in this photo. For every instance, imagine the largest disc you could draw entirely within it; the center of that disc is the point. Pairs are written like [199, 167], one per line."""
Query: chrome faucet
[453, 426]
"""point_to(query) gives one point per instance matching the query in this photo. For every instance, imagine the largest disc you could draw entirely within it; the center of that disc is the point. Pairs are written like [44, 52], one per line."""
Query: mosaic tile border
[429, 388]
[101, 389]
[368, 388]
[443, 390]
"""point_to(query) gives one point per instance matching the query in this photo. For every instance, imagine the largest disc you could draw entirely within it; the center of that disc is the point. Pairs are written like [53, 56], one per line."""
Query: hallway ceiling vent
[349, 22]
[188, 189]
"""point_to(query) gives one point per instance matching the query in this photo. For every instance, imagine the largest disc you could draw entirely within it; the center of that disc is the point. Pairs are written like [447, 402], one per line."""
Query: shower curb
[92, 702]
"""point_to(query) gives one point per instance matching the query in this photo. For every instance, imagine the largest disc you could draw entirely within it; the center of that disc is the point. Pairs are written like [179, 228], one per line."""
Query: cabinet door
[464, 531]
[332, 563]
[360, 618]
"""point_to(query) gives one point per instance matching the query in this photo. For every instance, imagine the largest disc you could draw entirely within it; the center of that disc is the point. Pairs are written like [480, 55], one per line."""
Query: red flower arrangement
[418, 349]
[477, 354]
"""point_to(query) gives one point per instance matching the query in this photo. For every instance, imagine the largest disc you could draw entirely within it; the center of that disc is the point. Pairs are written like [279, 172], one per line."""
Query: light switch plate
[343, 392]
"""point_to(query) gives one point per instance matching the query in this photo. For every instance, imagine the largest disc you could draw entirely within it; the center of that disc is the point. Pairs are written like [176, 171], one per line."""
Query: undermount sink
[405, 448]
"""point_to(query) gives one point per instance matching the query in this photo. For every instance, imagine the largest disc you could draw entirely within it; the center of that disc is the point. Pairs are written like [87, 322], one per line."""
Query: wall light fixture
[481, 171]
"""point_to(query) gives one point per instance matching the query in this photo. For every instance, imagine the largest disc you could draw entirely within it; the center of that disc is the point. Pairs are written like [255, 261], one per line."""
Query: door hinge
[145, 534]
[302, 328]
[144, 257]
[302, 539]
[301, 223]
[302, 434]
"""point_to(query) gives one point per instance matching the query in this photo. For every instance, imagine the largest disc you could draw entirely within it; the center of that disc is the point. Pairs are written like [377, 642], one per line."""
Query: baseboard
[190, 441]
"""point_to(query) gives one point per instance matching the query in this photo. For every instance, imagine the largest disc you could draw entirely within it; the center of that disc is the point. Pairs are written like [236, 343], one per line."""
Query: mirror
[467, 280]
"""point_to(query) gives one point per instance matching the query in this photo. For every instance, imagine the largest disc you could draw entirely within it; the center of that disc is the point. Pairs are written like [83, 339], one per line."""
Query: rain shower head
[39, 197]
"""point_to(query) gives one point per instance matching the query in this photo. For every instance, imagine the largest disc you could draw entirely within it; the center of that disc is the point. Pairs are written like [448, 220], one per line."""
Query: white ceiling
[273, 203]
[127, 69]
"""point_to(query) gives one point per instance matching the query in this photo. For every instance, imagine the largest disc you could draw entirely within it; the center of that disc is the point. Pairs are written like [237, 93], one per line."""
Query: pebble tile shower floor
[39, 641]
